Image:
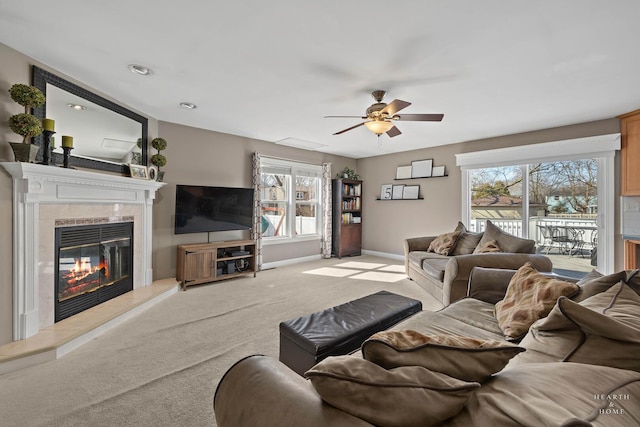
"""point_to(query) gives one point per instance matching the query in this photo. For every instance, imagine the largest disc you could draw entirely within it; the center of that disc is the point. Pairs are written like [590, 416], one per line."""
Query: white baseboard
[275, 264]
[268, 265]
[384, 255]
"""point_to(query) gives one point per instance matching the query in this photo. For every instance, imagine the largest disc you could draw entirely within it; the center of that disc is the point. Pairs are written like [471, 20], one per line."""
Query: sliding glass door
[562, 195]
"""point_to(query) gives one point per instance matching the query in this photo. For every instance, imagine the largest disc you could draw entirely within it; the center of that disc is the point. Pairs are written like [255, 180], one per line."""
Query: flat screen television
[204, 209]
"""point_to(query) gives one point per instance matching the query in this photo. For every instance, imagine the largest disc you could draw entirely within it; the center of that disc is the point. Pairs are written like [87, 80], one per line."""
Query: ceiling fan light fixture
[378, 126]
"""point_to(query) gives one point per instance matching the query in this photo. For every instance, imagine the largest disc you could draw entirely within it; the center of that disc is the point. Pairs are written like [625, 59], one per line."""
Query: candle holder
[51, 156]
[67, 154]
[46, 150]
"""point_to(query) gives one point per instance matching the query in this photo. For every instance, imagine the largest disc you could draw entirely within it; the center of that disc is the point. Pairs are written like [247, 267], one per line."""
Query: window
[562, 195]
[290, 200]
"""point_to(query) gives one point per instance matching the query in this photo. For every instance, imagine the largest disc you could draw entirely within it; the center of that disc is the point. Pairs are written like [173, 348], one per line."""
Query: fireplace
[46, 198]
[94, 263]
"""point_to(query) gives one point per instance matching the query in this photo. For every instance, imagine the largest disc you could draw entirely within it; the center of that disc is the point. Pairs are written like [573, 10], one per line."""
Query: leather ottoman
[341, 329]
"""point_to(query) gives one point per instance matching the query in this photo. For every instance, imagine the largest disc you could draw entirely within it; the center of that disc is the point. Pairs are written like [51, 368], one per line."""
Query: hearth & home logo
[610, 402]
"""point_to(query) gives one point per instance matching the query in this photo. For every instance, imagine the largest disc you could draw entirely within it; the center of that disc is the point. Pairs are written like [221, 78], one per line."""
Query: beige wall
[195, 156]
[387, 223]
[201, 157]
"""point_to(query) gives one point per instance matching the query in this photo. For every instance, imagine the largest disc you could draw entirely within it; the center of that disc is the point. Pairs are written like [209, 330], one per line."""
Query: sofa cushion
[467, 241]
[554, 394]
[407, 396]
[578, 332]
[444, 243]
[465, 358]
[466, 317]
[435, 267]
[487, 247]
[530, 296]
[507, 242]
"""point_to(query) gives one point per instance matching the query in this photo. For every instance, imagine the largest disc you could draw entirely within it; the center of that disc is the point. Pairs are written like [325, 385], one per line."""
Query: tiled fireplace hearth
[46, 198]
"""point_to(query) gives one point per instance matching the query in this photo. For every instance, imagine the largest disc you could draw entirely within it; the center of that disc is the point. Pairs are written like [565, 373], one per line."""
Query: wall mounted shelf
[398, 200]
[424, 177]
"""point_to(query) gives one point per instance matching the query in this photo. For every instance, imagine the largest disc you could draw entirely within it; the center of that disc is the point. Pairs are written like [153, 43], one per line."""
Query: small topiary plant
[158, 159]
[348, 173]
[25, 124]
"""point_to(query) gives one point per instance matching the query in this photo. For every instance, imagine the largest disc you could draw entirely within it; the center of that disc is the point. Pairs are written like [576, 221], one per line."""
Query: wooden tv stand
[209, 262]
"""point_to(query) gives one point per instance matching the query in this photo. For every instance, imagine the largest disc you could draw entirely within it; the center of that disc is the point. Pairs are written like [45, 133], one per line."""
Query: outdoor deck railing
[588, 228]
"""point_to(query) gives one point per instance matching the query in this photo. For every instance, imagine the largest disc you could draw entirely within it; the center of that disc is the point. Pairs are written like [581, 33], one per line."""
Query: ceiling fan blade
[348, 129]
[394, 131]
[339, 117]
[420, 117]
[395, 106]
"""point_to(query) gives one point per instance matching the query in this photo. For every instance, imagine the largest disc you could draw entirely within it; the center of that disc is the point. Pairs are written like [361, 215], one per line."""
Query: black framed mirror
[108, 150]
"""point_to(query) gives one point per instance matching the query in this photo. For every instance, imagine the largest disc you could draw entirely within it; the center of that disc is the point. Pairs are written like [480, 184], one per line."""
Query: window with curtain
[290, 200]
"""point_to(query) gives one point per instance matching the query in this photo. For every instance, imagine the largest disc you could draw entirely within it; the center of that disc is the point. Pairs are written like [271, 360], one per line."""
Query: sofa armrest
[415, 244]
[458, 269]
[260, 391]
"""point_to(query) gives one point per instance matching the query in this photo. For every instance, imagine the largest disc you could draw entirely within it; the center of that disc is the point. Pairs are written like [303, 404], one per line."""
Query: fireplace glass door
[94, 265]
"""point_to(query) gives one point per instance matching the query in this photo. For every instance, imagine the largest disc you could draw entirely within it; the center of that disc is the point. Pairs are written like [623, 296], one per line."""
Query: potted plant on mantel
[26, 124]
[159, 160]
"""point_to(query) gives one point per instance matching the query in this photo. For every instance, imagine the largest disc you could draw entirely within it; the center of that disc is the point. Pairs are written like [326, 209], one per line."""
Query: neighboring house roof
[501, 201]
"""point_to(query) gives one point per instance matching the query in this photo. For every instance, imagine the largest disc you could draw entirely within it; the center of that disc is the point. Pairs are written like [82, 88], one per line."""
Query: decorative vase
[24, 152]
[160, 176]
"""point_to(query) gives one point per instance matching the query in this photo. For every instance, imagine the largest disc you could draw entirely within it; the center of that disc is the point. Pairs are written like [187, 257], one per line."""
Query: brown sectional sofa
[550, 383]
[445, 276]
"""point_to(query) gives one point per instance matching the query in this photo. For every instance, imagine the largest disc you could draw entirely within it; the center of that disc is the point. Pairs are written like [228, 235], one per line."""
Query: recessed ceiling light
[140, 69]
[188, 105]
[77, 106]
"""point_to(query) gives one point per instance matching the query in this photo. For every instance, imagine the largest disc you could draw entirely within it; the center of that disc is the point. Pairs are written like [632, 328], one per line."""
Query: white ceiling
[272, 70]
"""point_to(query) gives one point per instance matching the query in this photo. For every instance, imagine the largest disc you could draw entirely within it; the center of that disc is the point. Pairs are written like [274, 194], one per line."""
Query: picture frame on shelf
[411, 192]
[138, 171]
[397, 191]
[421, 168]
[386, 192]
[437, 171]
[403, 172]
[152, 172]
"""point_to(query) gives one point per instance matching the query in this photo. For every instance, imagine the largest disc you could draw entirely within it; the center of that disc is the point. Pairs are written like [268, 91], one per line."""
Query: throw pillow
[407, 396]
[507, 242]
[444, 243]
[487, 247]
[460, 357]
[594, 283]
[578, 332]
[467, 241]
[529, 297]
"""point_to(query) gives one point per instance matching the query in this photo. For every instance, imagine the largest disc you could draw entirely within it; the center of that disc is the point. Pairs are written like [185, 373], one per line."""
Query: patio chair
[575, 241]
[567, 239]
[547, 241]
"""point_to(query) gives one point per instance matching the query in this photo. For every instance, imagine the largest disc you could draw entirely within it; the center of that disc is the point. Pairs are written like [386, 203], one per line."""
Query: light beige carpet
[161, 368]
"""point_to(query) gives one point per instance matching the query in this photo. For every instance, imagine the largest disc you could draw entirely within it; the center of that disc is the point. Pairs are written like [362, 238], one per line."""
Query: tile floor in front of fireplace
[63, 336]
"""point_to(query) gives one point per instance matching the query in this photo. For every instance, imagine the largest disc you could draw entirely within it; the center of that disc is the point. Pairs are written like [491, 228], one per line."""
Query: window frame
[294, 169]
[601, 147]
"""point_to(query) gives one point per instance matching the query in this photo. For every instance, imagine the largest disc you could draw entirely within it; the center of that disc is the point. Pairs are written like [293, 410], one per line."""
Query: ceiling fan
[380, 116]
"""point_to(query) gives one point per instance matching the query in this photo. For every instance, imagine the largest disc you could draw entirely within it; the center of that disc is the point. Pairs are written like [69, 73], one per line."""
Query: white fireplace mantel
[35, 185]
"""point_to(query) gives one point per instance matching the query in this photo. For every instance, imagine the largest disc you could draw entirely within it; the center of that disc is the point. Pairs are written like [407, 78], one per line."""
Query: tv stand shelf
[209, 262]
